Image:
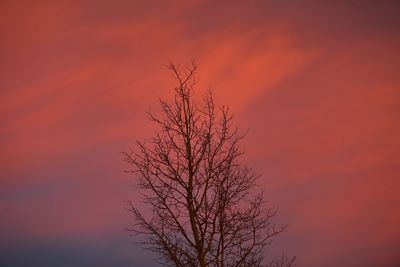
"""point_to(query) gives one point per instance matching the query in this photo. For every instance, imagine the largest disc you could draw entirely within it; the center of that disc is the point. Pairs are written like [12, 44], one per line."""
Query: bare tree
[203, 208]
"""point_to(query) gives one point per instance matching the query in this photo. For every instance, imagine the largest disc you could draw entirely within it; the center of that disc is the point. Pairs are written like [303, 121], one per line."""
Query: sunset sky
[317, 83]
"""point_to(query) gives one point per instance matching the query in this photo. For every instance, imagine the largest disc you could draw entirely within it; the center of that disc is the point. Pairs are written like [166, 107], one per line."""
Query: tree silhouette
[203, 208]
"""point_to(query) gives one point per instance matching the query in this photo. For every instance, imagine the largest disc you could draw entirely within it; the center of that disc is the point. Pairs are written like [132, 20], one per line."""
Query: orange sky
[317, 84]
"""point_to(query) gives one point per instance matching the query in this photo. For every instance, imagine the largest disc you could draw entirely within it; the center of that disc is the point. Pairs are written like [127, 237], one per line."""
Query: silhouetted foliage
[203, 207]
